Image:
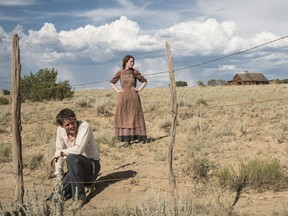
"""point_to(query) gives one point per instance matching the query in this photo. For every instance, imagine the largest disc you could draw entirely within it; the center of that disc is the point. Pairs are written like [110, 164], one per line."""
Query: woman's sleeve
[115, 78]
[139, 76]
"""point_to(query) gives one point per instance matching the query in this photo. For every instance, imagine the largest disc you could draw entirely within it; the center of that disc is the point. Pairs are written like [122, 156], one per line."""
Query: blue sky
[86, 40]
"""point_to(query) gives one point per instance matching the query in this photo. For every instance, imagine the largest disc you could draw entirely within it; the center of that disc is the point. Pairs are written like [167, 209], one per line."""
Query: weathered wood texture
[16, 121]
[174, 111]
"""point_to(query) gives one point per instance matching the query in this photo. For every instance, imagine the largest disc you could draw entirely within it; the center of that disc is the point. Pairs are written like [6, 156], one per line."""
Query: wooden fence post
[16, 121]
[174, 111]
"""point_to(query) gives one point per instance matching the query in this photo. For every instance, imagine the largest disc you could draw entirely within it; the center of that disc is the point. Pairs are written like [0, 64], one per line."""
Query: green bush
[6, 92]
[256, 174]
[42, 86]
[4, 101]
[181, 83]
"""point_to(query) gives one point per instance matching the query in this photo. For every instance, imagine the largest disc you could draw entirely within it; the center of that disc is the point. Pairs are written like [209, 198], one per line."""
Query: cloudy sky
[85, 40]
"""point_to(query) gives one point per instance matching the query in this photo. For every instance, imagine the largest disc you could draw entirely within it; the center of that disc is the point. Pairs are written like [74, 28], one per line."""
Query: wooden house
[247, 78]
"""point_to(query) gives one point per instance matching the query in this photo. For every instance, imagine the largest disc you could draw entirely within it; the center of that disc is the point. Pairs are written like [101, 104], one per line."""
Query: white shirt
[84, 143]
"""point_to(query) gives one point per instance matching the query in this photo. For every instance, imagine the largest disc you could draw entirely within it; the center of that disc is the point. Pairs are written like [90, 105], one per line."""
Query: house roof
[251, 77]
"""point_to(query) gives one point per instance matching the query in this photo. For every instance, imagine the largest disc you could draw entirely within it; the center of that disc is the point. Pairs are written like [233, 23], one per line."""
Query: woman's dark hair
[65, 114]
[126, 59]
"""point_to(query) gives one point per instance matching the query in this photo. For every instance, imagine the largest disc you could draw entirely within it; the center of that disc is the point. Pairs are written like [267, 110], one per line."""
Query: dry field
[217, 127]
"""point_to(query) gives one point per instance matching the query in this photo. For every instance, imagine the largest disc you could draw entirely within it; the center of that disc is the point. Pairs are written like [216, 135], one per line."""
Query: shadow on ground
[104, 181]
[153, 139]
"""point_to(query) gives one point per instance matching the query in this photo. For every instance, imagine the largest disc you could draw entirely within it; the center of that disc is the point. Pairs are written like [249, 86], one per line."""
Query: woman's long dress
[129, 120]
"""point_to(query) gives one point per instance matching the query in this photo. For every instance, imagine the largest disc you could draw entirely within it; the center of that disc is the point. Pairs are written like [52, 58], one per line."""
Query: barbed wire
[201, 108]
[191, 109]
[180, 69]
[99, 180]
[202, 63]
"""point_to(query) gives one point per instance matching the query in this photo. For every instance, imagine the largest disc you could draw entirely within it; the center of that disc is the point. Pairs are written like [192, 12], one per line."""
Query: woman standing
[129, 120]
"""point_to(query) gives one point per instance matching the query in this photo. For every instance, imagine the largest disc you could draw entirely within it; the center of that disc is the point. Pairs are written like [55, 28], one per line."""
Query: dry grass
[218, 127]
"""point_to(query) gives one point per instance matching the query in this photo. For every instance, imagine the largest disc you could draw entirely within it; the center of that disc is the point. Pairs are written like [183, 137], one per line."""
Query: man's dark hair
[65, 114]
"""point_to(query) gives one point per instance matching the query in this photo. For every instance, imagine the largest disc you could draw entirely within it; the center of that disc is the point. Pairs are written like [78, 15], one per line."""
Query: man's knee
[72, 159]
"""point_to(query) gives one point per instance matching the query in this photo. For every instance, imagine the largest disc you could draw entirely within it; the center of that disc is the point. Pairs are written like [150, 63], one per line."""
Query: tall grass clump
[260, 175]
[4, 101]
[194, 127]
[202, 102]
[38, 136]
[165, 125]
[197, 167]
[84, 103]
[5, 117]
[106, 136]
[34, 204]
[5, 152]
[164, 207]
[35, 161]
[104, 106]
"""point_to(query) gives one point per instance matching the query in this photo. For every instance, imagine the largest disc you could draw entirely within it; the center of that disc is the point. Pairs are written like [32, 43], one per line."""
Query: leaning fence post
[16, 121]
[174, 111]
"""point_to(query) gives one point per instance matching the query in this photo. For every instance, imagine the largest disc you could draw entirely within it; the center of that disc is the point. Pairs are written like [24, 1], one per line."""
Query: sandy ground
[139, 173]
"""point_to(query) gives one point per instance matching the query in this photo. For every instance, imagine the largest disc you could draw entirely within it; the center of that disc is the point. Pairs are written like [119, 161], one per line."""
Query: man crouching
[75, 144]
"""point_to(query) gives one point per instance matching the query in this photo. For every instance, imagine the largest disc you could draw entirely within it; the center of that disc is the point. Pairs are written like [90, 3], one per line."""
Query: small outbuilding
[247, 78]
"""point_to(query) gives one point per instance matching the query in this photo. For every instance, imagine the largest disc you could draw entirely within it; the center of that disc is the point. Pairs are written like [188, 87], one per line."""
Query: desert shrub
[266, 175]
[106, 136]
[35, 161]
[229, 177]
[256, 174]
[84, 103]
[202, 102]
[187, 206]
[84, 100]
[104, 106]
[165, 125]
[35, 205]
[32, 205]
[186, 114]
[5, 117]
[197, 167]
[102, 110]
[184, 101]
[5, 152]
[4, 101]
[196, 127]
[42, 86]
[5, 92]
[223, 131]
[181, 83]
[150, 107]
[38, 136]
